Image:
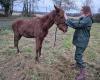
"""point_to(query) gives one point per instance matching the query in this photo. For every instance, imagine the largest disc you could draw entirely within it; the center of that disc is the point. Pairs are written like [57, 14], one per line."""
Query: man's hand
[66, 17]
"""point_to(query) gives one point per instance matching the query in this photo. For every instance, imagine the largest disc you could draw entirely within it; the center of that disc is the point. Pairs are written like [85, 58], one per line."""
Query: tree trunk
[6, 11]
[60, 3]
[30, 11]
[25, 8]
[11, 8]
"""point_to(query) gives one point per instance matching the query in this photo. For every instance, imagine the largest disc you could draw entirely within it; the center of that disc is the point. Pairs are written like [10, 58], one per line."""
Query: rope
[55, 37]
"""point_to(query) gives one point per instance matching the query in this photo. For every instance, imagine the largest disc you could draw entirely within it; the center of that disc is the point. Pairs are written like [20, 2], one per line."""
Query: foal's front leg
[38, 48]
[16, 40]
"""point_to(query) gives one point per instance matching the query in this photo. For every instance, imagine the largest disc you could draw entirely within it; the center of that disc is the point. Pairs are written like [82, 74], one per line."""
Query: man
[81, 37]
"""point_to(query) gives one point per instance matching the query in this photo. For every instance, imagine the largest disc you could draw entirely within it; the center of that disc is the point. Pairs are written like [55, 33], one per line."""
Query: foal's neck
[49, 20]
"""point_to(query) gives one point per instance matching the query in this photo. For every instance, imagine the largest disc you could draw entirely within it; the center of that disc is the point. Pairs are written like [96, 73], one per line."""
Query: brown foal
[38, 28]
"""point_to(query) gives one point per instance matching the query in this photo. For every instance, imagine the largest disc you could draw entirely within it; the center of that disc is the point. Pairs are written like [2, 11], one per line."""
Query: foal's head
[60, 19]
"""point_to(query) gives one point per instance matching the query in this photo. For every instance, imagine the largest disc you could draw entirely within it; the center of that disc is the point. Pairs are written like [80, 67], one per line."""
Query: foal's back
[27, 27]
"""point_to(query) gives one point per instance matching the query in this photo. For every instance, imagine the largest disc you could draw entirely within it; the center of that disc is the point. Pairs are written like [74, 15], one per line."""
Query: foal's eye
[62, 17]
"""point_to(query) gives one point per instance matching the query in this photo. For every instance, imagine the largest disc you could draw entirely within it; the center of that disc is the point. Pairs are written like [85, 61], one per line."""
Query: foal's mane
[50, 15]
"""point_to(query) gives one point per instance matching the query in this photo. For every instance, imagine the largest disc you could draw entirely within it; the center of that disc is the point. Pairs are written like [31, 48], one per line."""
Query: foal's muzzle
[63, 27]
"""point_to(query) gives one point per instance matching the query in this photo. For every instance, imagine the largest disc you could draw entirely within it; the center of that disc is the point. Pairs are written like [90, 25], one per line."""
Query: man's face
[81, 12]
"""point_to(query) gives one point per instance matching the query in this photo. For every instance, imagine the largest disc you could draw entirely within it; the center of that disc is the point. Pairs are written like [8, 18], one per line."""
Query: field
[55, 61]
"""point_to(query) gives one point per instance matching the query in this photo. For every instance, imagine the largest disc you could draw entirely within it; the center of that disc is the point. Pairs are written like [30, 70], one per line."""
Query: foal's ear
[56, 8]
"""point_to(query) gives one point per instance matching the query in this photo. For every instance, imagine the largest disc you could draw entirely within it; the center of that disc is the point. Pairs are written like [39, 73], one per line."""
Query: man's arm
[79, 24]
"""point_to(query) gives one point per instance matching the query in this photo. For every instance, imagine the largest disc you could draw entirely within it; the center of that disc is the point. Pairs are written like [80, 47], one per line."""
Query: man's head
[86, 10]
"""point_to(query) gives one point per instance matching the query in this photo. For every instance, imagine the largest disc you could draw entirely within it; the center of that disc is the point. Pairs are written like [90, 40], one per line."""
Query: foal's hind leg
[16, 40]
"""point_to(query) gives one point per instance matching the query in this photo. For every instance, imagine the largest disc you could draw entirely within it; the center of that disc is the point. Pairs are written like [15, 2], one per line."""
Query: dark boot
[81, 75]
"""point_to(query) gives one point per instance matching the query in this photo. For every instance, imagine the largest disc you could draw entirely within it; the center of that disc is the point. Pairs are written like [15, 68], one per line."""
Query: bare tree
[58, 2]
[25, 8]
[28, 7]
[88, 2]
[8, 6]
[65, 4]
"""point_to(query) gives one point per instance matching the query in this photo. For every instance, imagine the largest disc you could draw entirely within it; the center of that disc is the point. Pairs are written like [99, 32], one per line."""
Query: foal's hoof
[18, 52]
[37, 61]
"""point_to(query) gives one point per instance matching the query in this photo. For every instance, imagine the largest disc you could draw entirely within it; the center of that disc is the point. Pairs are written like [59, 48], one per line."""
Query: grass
[27, 49]
[68, 40]
[55, 61]
[91, 55]
[93, 51]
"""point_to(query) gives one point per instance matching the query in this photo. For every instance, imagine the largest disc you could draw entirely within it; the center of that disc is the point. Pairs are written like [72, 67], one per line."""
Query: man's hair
[87, 9]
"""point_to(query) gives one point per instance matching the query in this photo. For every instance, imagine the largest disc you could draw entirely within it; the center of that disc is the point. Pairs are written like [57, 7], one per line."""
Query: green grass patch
[9, 52]
[67, 43]
[3, 43]
[91, 55]
[4, 32]
[95, 31]
[93, 50]
[28, 49]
